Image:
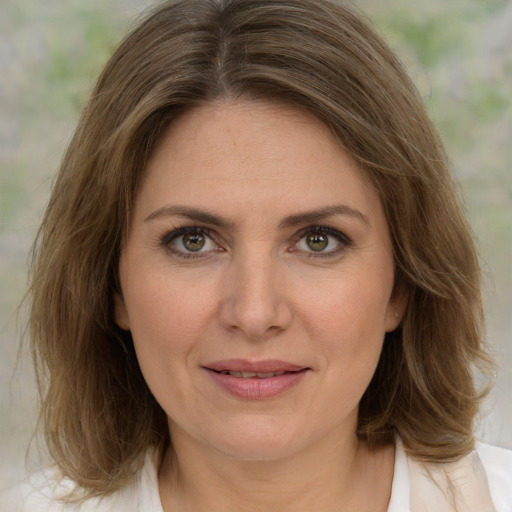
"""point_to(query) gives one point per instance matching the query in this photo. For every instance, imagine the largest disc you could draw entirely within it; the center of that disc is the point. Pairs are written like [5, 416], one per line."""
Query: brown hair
[98, 414]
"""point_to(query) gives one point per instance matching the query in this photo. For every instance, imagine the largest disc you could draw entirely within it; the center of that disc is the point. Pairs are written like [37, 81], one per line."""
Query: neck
[331, 476]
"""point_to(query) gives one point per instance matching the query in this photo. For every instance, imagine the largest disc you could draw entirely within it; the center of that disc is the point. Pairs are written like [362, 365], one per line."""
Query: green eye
[317, 241]
[190, 242]
[193, 242]
[322, 242]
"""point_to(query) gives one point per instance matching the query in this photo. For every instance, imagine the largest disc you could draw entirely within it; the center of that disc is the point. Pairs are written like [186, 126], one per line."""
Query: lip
[256, 388]
[244, 365]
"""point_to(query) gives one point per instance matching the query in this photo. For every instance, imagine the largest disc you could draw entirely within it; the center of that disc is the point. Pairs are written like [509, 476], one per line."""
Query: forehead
[261, 130]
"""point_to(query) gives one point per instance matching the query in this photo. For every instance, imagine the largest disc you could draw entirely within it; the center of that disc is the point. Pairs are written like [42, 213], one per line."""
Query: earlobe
[120, 312]
[396, 307]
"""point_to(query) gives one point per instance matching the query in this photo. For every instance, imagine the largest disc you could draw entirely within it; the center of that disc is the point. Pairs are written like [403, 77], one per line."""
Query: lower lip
[255, 388]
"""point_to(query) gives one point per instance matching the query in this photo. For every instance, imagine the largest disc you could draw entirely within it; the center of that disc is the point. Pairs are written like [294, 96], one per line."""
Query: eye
[316, 241]
[189, 242]
[322, 241]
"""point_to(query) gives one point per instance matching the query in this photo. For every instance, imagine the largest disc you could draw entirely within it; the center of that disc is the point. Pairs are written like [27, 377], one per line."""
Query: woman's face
[257, 281]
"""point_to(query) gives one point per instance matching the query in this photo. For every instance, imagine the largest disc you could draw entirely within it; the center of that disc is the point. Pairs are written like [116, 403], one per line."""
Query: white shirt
[483, 475]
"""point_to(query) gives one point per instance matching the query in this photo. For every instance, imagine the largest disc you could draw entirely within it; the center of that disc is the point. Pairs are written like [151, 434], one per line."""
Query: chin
[257, 441]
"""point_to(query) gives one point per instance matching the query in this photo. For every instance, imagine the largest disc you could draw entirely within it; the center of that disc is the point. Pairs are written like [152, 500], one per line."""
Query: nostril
[255, 323]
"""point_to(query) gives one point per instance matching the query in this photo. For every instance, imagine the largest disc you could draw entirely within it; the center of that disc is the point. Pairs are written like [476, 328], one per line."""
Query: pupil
[317, 241]
[193, 241]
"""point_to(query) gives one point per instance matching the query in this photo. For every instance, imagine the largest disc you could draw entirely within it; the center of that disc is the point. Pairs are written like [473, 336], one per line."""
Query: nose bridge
[253, 302]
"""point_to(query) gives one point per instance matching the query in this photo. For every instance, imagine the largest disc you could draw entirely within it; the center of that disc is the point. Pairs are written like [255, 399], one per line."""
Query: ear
[396, 306]
[120, 312]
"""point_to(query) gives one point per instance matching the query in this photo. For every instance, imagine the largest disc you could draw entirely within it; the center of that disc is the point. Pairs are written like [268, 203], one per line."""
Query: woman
[254, 287]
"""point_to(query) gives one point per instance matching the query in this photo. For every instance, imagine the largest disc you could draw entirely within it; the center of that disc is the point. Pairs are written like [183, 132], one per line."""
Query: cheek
[351, 306]
[347, 319]
[167, 320]
[164, 306]
[166, 326]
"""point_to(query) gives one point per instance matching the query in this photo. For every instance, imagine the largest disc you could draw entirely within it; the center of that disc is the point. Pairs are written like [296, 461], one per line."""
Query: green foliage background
[459, 54]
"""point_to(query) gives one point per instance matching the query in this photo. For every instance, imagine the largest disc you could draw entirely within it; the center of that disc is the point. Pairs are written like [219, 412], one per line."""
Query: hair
[97, 412]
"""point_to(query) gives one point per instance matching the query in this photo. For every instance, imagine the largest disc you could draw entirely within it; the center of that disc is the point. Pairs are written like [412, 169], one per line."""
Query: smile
[258, 380]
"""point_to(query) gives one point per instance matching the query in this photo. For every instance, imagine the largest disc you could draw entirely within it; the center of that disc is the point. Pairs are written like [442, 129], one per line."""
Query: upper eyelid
[324, 229]
[181, 230]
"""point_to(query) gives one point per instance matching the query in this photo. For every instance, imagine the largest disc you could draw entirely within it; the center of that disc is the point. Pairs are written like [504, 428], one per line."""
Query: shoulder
[39, 493]
[481, 480]
[497, 463]
[44, 492]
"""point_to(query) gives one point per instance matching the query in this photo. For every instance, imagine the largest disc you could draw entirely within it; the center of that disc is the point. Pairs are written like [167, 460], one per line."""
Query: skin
[257, 290]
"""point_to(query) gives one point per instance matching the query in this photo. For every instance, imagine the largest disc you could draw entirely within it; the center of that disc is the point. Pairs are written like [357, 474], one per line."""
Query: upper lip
[263, 366]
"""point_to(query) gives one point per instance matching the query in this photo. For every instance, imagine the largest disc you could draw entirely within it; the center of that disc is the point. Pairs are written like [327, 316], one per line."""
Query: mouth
[256, 380]
[245, 369]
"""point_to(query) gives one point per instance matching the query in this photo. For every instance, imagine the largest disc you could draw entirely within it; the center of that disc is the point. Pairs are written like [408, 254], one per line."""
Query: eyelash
[168, 238]
[344, 242]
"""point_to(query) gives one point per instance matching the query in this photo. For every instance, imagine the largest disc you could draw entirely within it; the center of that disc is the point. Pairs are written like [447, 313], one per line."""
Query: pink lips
[255, 379]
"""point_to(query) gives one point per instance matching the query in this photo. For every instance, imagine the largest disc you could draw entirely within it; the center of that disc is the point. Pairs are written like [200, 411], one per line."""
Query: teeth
[251, 375]
[271, 374]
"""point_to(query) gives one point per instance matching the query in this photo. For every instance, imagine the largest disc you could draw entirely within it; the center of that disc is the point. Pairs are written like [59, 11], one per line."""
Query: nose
[254, 298]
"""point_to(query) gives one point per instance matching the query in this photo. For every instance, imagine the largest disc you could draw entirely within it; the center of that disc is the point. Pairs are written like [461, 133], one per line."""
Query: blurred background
[459, 53]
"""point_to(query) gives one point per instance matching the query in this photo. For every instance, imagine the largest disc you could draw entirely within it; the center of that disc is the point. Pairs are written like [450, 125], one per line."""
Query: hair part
[97, 412]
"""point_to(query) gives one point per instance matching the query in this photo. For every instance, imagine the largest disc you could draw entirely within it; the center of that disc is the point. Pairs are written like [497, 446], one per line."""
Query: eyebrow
[206, 217]
[322, 214]
[191, 213]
